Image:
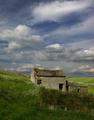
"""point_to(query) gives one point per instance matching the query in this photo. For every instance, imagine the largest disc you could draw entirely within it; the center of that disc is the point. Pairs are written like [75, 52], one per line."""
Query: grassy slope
[17, 101]
[83, 80]
[89, 81]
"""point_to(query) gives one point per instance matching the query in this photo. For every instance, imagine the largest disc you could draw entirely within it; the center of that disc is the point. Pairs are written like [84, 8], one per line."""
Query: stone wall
[52, 82]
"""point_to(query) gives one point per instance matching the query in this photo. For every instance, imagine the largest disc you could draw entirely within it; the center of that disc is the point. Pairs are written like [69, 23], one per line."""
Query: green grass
[83, 80]
[19, 101]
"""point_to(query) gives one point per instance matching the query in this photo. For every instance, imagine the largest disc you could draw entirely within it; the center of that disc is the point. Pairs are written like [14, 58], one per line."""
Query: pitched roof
[48, 72]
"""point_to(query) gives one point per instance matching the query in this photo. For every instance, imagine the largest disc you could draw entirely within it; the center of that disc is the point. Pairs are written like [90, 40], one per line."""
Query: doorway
[60, 86]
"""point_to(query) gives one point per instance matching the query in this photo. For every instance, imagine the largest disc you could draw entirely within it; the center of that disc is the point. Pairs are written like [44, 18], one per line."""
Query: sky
[49, 33]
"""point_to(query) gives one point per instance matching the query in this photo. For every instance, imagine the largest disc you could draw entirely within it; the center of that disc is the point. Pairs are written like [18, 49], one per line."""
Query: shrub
[70, 100]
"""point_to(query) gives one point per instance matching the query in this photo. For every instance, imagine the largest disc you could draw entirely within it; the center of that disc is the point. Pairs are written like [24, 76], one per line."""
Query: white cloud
[84, 68]
[20, 36]
[86, 52]
[84, 55]
[55, 46]
[57, 52]
[22, 30]
[57, 9]
[13, 45]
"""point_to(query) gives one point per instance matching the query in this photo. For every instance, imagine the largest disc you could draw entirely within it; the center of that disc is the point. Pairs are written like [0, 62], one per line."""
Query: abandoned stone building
[55, 79]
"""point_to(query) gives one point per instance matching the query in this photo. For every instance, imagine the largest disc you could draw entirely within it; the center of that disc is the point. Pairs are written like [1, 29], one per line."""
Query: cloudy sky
[50, 33]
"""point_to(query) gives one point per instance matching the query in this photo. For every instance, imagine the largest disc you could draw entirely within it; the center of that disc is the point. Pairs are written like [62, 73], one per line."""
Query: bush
[70, 100]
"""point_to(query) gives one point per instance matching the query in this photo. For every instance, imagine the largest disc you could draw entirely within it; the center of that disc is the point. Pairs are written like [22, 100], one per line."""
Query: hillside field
[19, 101]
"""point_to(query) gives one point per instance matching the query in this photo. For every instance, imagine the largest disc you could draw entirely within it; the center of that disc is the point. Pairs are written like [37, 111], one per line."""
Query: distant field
[83, 80]
[89, 81]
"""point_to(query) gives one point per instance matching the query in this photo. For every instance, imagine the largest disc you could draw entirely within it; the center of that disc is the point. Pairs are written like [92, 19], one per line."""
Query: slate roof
[48, 73]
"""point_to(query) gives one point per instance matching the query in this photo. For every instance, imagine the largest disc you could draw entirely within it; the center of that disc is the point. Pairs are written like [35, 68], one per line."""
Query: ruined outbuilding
[55, 79]
[82, 89]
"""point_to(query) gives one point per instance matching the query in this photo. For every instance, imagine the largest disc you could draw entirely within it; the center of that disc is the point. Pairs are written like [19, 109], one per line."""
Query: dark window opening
[78, 90]
[60, 86]
[39, 82]
[67, 86]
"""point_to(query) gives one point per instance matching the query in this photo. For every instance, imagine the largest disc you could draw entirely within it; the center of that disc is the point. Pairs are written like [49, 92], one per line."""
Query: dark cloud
[16, 12]
[14, 6]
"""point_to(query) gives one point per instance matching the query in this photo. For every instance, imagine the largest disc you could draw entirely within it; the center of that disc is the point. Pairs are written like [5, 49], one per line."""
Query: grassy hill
[20, 100]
